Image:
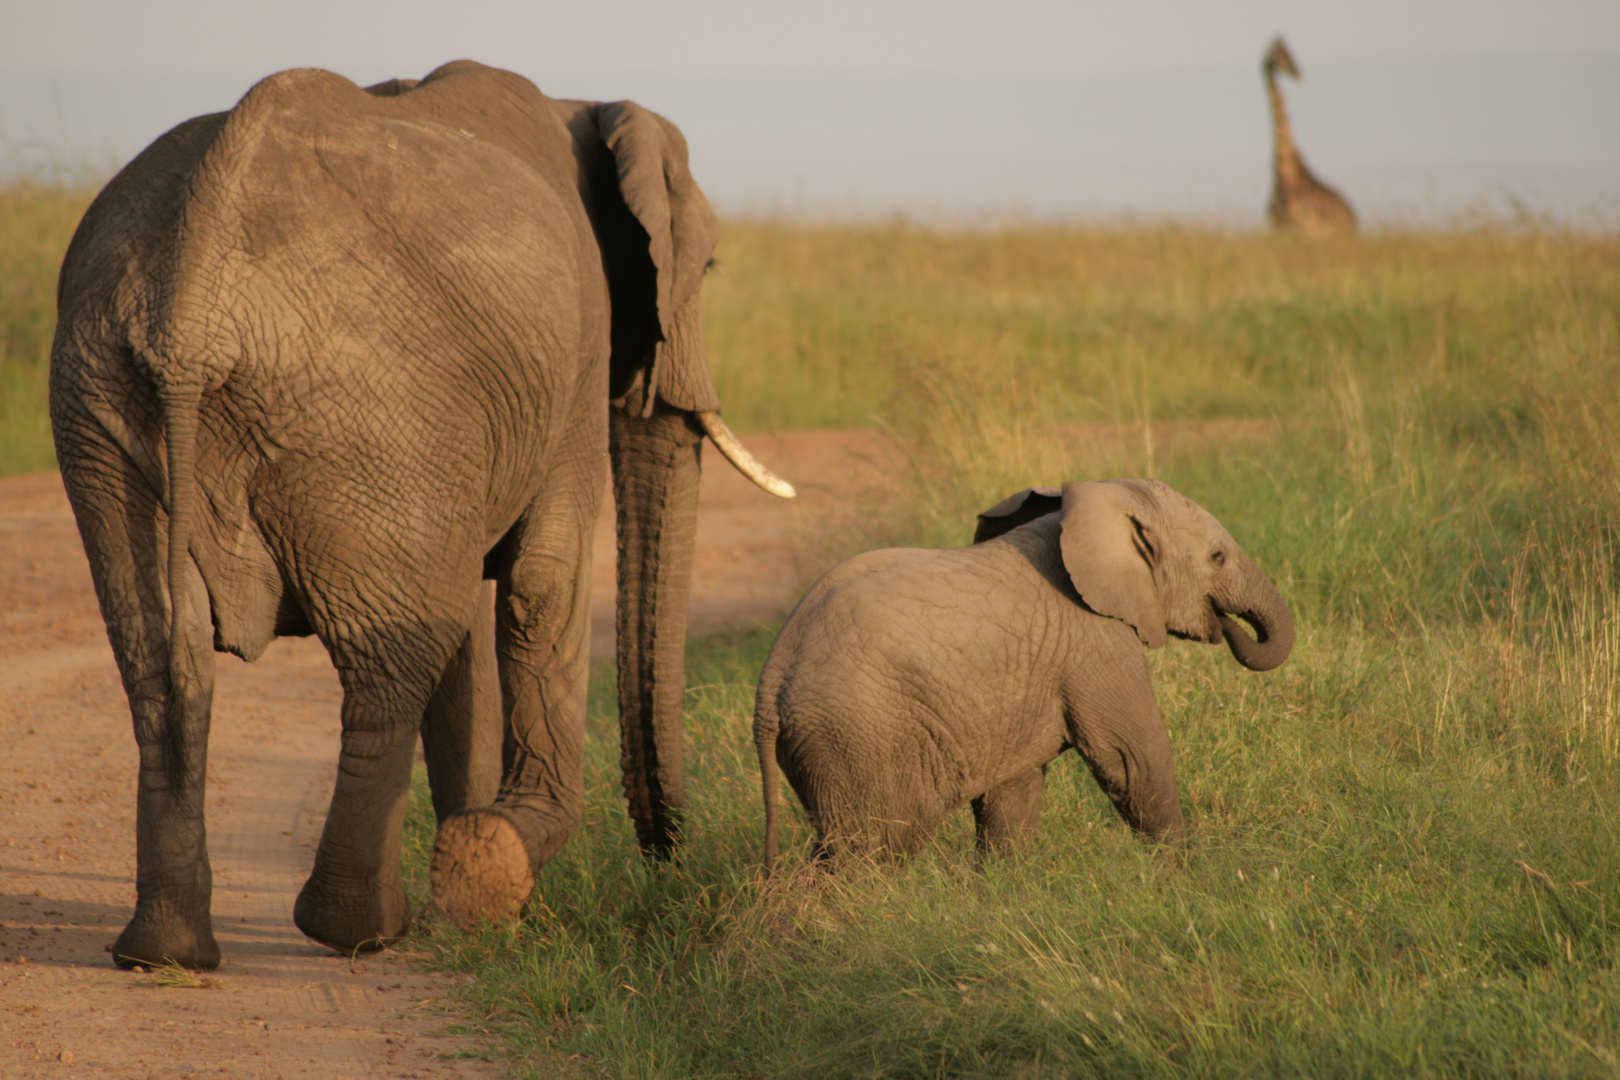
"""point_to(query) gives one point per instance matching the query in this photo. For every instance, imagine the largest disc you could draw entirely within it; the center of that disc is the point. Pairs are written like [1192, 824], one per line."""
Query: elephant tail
[190, 679]
[767, 723]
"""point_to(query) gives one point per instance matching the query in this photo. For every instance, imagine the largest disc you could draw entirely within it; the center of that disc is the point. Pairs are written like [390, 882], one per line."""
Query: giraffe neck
[1286, 156]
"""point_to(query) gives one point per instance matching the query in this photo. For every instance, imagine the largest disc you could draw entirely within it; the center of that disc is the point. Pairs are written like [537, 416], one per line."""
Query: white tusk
[738, 455]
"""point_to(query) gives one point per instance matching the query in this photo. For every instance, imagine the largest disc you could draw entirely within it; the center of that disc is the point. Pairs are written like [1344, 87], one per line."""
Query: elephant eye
[1219, 558]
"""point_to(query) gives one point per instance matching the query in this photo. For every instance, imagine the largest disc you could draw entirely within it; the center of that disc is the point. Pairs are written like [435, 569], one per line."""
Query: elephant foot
[481, 869]
[352, 921]
[167, 938]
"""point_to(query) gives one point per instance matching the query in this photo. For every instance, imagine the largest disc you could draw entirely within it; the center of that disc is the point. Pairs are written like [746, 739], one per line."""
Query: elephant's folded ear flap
[650, 155]
[636, 140]
[1016, 510]
[1106, 546]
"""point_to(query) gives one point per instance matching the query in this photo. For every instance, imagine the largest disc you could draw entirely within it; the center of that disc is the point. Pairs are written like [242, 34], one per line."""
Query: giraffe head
[1279, 61]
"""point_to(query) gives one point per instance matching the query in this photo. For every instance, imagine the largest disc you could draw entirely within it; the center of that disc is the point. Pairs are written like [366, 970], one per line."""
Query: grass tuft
[172, 976]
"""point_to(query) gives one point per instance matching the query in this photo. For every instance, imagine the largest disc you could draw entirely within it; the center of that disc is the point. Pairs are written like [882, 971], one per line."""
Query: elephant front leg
[1010, 811]
[461, 728]
[1129, 753]
[485, 859]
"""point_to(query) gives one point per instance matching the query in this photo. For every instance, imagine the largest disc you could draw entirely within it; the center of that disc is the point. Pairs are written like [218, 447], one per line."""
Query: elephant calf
[908, 682]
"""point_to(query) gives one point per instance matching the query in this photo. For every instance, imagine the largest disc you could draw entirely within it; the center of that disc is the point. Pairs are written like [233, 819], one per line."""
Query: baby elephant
[908, 682]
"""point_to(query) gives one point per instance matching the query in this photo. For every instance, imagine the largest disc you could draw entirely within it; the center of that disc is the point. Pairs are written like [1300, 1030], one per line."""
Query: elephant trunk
[656, 467]
[1258, 603]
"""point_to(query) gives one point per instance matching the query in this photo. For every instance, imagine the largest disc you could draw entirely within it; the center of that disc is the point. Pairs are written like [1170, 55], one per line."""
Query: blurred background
[1421, 111]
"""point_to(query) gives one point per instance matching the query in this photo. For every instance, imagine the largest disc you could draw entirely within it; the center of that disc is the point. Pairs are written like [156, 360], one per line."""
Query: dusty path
[279, 1006]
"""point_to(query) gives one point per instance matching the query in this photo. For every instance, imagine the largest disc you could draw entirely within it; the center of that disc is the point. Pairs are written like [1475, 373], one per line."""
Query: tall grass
[820, 327]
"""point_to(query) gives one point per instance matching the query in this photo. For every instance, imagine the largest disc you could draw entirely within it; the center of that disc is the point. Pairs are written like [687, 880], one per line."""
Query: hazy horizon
[1046, 111]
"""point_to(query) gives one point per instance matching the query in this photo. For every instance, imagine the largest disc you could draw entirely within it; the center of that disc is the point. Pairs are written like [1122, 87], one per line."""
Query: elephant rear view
[326, 363]
[908, 682]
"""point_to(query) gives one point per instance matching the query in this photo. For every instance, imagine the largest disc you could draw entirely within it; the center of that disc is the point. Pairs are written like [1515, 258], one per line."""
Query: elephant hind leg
[174, 880]
[123, 526]
[354, 898]
[1009, 812]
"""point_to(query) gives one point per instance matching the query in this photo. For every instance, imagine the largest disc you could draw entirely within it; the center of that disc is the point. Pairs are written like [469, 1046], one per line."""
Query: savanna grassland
[1406, 853]
[1406, 841]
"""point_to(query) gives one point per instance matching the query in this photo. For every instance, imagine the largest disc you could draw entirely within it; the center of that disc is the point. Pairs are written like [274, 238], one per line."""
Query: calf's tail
[766, 726]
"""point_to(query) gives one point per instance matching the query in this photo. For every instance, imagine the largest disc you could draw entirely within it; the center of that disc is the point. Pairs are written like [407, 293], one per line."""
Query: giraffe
[1299, 201]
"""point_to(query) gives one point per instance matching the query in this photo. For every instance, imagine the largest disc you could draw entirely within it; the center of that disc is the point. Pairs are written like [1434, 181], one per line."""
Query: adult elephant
[326, 362]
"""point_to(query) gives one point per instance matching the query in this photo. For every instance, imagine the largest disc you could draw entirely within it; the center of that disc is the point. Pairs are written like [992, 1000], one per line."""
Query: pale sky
[1413, 107]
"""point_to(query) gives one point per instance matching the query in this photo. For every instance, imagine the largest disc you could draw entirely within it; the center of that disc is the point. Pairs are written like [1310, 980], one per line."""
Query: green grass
[825, 327]
[1380, 884]
[1406, 842]
[36, 223]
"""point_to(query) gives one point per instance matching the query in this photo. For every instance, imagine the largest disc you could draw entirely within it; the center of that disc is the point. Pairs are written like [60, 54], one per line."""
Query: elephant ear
[1110, 549]
[649, 154]
[1016, 510]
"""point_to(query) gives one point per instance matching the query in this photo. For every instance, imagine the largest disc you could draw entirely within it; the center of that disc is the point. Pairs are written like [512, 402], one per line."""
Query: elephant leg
[353, 899]
[123, 529]
[461, 728]
[1125, 744]
[1010, 811]
[390, 663]
[485, 860]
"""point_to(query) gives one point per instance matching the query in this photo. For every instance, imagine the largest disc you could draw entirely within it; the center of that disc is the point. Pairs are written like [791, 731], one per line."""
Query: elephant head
[1139, 552]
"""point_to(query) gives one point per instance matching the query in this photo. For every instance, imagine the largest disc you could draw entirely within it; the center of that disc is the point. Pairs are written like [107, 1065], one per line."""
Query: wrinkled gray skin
[324, 364]
[908, 682]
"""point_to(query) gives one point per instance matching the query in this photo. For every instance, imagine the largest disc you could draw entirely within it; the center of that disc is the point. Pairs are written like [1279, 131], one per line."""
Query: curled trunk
[656, 468]
[1260, 605]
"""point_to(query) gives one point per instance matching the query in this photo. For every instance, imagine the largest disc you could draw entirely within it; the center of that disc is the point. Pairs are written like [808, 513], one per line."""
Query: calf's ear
[1016, 510]
[1109, 548]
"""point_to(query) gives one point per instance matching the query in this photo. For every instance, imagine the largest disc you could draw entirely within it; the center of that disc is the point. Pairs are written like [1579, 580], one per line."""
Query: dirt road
[279, 1006]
